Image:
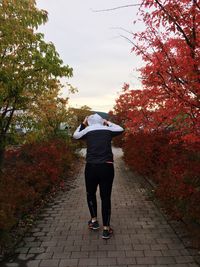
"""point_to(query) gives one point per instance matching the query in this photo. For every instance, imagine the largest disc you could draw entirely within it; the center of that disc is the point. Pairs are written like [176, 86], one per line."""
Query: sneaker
[93, 225]
[107, 233]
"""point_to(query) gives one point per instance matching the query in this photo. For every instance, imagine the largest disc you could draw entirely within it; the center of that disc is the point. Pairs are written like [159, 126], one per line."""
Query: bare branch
[167, 88]
[175, 22]
[129, 40]
[198, 6]
[122, 29]
[114, 8]
[137, 47]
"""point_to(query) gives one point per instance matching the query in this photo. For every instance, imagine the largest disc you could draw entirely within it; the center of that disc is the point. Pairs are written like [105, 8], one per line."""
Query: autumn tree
[28, 65]
[43, 119]
[162, 119]
[170, 48]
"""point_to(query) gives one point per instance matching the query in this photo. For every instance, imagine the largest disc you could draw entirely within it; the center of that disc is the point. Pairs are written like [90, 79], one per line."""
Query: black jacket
[98, 138]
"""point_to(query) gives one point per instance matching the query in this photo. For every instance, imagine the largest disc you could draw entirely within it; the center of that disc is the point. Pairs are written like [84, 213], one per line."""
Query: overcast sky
[90, 43]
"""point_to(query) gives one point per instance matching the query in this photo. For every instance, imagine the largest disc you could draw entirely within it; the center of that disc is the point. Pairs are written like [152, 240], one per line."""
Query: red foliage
[161, 142]
[31, 171]
[173, 168]
[144, 153]
[170, 46]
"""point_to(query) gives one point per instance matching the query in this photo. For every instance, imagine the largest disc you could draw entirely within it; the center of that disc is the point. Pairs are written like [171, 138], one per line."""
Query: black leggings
[99, 174]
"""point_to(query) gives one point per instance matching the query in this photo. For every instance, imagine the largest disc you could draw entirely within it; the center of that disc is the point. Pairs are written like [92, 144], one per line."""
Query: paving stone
[49, 263]
[119, 253]
[22, 250]
[159, 247]
[29, 239]
[165, 260]
[184, 259]
[44, 256]
[87, 262]
[107, 247]
[141, 247]
[170, 252]
[44, 238]
[107, 261]
[145, 260]
[68, 262]
[25, 257]
[49, 244]
[124, 247]
[72, 248]
[84, 242]
[98, 254]
[152, 253]
[55, 249]
[38, 234]
[36, 250]
[33, 244]
[79, 254]
[89, 248]
[127, 260]
[33, 263]
[134, 253]
[61, 255]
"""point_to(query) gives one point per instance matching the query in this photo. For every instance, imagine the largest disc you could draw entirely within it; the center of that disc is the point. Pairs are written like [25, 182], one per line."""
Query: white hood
[95, 119]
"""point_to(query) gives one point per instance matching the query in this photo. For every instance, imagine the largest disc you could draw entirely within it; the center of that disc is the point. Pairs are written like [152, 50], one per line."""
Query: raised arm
[80, 131]
[114, 128]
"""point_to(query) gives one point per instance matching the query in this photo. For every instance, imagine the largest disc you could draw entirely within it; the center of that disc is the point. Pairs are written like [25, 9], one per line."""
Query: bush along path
[31, 176]
[142, 235]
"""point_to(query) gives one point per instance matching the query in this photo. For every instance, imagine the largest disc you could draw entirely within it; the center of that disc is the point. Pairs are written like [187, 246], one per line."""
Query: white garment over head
[95, 119]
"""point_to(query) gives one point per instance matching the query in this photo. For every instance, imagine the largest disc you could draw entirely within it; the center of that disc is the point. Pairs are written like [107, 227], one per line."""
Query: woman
[99, 169]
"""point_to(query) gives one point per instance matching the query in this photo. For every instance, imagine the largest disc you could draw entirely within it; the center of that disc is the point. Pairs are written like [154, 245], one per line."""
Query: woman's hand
[85, 122]
[105, 123]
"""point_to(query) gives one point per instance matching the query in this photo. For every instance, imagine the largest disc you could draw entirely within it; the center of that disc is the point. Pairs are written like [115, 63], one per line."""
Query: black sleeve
[116, 133]
[82, 127]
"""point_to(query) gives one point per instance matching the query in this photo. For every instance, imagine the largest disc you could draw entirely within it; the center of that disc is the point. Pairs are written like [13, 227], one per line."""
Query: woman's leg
[105, 184]
[91, 182]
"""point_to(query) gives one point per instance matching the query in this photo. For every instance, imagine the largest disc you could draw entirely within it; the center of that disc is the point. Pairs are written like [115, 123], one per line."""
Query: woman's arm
[80, 131]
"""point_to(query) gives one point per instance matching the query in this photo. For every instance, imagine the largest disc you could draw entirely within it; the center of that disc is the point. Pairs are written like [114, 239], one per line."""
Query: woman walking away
[99, 169]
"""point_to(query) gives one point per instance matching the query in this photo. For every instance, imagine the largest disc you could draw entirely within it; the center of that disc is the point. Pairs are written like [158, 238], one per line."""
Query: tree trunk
[2, 151]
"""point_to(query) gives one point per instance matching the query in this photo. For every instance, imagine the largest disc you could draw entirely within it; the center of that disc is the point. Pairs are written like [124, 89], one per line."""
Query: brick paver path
[142, 236]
